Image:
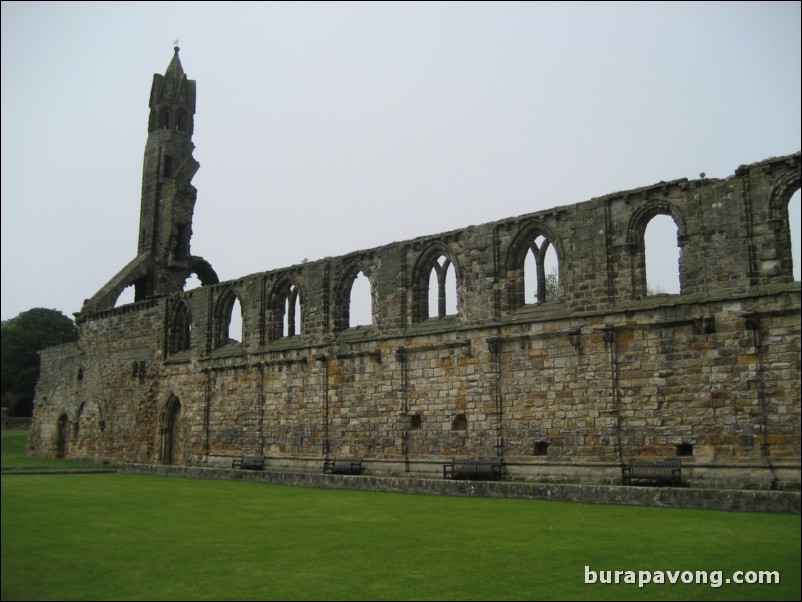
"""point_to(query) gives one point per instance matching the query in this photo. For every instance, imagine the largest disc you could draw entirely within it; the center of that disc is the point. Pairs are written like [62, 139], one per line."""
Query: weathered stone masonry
[564, 389]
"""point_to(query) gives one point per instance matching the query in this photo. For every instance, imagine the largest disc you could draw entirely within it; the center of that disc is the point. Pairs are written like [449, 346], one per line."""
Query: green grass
[13, 447]
[139, 537]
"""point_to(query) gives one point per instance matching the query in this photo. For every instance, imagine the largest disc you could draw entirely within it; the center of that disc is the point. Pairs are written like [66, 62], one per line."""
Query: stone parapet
[670, 497]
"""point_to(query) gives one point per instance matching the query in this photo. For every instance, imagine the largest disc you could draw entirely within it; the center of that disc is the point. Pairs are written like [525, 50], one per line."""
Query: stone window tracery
[285, 309]
[533, 268]
[436, 285]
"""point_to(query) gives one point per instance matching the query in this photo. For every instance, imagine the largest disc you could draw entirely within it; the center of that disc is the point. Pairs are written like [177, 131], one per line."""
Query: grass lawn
[13, 447]
[139, 537]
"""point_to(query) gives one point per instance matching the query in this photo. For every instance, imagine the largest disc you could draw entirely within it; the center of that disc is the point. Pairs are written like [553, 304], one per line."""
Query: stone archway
[173, 444]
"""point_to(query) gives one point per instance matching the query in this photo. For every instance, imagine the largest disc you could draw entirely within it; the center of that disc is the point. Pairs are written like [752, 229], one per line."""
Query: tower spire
[163, 259]
[174, 69]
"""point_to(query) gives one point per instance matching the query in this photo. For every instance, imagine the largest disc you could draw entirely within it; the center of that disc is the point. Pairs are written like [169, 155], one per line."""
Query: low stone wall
[712, 499]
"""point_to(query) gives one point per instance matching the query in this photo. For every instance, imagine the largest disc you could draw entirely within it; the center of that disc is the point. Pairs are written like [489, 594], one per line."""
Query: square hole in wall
[684, 449]
[459, 423]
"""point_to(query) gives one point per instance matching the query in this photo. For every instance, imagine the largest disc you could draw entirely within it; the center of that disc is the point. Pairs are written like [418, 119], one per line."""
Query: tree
[552, 285]
[23, 338]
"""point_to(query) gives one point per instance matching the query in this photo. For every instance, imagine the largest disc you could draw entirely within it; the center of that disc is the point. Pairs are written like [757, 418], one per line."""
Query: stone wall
[565, 389]
[672, 497]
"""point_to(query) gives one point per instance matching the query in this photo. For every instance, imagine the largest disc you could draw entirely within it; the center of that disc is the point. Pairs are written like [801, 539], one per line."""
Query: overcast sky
[325, 128]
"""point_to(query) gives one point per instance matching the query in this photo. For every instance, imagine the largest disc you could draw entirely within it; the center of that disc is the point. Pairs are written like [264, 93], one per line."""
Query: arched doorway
[61, 436]
[172, 433]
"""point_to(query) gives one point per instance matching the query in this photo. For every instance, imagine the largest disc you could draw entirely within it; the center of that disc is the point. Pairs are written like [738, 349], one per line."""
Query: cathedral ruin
[564, 384]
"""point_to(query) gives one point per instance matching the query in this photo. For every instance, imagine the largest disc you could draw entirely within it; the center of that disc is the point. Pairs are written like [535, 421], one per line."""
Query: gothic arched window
[285, 310]
[435, 285]
[533, 268]
[180, 326]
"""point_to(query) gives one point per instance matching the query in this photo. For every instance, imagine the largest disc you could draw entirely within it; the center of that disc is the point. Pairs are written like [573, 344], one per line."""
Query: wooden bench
[249, 463]
[343, 466]
[667, 470]
[473, 468]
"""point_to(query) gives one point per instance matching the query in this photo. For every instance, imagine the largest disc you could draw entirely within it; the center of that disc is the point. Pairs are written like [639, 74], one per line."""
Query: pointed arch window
[171, 432]
[180, 121]
[442, 289]
[533, 268]
[435, 286]
[541, 272]
[228, 322]
[292, 314]
[285, 308]
[164, 119]
[178, 335]
[360, 312]
[354, 300]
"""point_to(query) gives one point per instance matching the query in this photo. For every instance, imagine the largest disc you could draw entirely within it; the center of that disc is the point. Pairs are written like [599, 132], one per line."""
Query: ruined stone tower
[562, 386]
[163, 259]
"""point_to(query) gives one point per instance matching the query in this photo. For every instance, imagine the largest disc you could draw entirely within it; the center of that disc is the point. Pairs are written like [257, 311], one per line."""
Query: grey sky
[324, 128]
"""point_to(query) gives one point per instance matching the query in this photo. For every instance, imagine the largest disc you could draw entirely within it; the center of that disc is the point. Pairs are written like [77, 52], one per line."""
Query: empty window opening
[360, 312]
[181, 242]
[459, 423]
[794, 219]
[164, 119]
[180, 121]
[415, 421]
[235, 334]
[228, 320]
[541, 448]
[541, 272]
[192, 282]
[451, 291]
[442, 289]
[684, 449]
[167, 172]
[127, 296]
[662, 256]
[292, 313]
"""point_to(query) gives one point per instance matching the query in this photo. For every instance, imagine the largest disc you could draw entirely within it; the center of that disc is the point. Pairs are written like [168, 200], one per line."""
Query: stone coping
[741, 500]
[40, 470]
